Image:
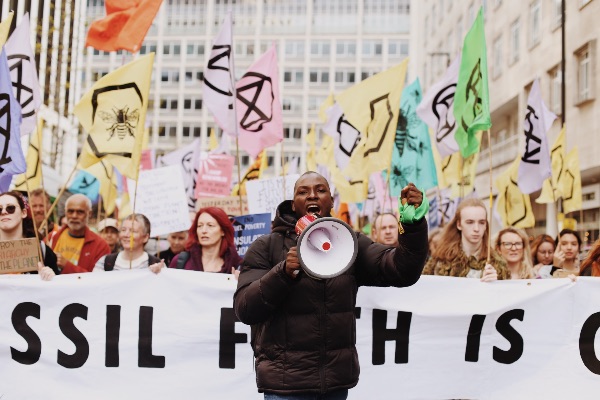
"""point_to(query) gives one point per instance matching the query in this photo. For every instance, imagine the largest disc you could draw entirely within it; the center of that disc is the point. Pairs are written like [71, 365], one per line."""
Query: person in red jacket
[77, 248]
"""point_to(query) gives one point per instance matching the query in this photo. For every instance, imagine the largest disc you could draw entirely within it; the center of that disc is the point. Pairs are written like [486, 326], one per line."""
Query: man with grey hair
[77, 248]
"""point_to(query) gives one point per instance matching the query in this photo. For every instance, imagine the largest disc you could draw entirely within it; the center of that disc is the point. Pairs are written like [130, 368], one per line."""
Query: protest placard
[161, 197]
[264, 195]
[214, 175]
[19, 256]
[248, 228]
[229, 204]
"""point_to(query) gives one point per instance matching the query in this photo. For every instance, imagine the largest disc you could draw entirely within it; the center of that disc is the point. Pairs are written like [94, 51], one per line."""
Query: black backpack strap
[182, 259]
[109, 261]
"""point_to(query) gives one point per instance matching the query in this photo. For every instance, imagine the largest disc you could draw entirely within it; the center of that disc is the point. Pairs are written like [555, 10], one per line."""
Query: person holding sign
[210, 246]
[133, 234]
[463, 246]
[304, 329]
[16, 223]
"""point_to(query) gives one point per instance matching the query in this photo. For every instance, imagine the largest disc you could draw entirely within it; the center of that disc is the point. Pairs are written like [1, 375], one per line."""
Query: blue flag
[412, 159]
[12, 160]
[86, 184]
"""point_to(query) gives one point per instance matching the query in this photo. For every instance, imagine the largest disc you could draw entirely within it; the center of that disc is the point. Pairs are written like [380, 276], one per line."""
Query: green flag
[471, 100]
[412, 159]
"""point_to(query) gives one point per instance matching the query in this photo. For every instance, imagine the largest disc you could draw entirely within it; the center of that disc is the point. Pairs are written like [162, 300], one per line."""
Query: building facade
[523, 44]
[323, 47]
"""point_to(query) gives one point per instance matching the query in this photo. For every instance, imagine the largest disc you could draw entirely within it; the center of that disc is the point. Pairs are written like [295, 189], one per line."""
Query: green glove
[409, 214]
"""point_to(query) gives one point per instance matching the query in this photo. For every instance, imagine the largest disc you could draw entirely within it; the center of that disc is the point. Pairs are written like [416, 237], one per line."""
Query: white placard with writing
[264, 195]
[162, 198]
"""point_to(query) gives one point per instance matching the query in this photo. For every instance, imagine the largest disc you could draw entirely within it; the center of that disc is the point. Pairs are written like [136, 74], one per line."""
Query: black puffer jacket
[304, 329]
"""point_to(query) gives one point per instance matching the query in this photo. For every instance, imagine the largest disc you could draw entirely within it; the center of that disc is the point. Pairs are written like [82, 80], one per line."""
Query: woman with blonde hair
[462, 249]
[513, 246]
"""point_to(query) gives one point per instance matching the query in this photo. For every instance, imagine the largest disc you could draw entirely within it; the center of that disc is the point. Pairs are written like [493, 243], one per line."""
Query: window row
[171, 103]
[171, 75]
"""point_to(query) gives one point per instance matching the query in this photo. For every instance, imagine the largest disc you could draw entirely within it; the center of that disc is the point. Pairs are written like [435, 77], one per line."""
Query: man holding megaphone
[298, 288]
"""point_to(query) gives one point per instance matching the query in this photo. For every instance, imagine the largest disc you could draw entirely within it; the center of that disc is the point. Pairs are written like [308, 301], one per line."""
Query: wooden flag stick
[237, 158]
[37, 235]
[491, 199]
[237, 129]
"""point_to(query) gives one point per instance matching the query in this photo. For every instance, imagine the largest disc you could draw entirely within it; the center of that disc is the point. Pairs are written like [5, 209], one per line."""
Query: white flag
[188, 159]
[535, 166]
[217, 87]
[23, 74]
[344, 134]
[436, 110]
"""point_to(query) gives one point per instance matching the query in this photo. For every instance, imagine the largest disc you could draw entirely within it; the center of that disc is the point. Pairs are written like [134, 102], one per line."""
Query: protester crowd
[458, 249]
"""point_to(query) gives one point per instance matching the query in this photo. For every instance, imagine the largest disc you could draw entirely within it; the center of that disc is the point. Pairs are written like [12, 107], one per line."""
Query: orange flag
[125, 25]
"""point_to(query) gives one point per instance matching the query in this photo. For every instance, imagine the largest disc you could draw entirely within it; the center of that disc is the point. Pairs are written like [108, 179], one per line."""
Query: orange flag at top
[125, 25]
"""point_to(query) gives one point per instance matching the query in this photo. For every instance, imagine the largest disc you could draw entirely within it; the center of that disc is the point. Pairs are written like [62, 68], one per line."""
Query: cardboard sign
[161, 197]
[19, 256]
[230, 204]
[248, 228]
[264, 195]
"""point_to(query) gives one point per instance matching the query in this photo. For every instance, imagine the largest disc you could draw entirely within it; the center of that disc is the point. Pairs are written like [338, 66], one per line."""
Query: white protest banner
[230, 204]
[121, 335]
[161, 197]
[248, 228]
[214, 175]
[264, 195]
[19, 256]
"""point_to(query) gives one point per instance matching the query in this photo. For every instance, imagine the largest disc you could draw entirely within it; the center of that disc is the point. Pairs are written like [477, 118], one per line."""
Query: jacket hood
[285, 218]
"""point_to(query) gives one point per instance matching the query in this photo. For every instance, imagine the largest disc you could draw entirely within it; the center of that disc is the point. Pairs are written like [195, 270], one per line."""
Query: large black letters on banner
[474, 338]
[381, 334]
[145, 357]
[82, 347]
[515, 339]
[113, 332]
[586, 343]
[34, 344]
[229, 338]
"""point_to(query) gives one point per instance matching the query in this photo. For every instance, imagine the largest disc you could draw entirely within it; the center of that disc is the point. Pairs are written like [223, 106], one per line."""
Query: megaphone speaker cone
[319, 239]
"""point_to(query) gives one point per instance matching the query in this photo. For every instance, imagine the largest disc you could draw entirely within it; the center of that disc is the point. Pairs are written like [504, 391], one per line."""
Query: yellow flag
[551, 189]
[5, 27]
[113, 112]
[105, 174]
[311, 155]
[255, 171]
[514, 207]
[571, 183]
[351, 190]
[372, 107]
[451, 175]
[33, 160]
[213, 143]
[325, 154]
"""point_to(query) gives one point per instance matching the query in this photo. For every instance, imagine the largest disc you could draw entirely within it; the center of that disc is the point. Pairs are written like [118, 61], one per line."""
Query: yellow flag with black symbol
[350, 189]
[458, 173]
[5, 28]
[311, 155]
[372, 107]
[113, 112]
[325, 153]
[551, 190]
[513, 206]
[107, 177]
[254, 171]
[33, 160]
[571, 183]
[213, 142]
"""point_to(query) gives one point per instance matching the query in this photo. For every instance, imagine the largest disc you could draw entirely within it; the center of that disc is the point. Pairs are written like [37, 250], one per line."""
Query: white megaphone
[327, 246]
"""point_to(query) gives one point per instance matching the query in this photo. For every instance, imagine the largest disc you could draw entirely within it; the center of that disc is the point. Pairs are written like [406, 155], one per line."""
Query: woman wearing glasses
[463, 246]
[543, 257]
[513, 246]
[16, 223]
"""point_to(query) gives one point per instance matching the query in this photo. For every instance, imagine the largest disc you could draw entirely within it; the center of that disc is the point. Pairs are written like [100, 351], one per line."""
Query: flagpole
[237, 131]
[40, 146]
[385, 191]
[99, 209]
[491, 198]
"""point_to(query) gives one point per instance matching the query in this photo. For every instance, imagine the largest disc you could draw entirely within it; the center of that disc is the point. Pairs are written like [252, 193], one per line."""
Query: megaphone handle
[292, 263]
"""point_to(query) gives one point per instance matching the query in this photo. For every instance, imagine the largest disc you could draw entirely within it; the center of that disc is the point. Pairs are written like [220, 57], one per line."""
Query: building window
[535, 21]
[497, 56]
[345, 48]
[294, 48]
[515, 39]
[584, 73]
[556, 13]
[555, 90]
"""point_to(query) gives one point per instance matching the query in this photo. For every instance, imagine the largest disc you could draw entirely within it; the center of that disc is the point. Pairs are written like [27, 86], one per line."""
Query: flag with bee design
[412, 158]
[372, 107]
[113, 112]
[5, 28]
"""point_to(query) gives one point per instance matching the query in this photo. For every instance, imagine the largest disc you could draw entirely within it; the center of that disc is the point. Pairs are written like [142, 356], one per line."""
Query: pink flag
[258, 106]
